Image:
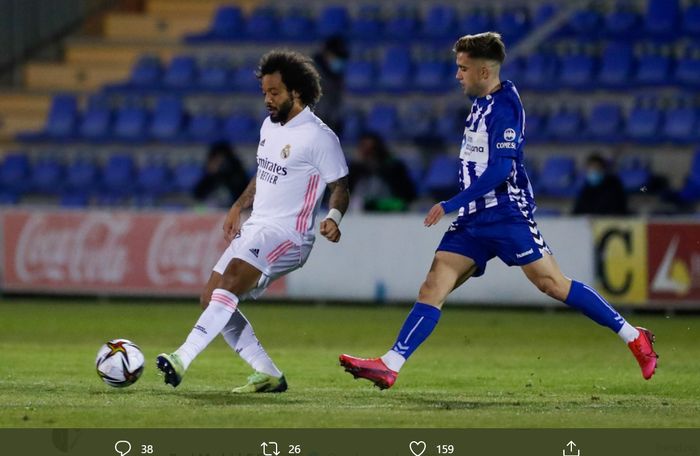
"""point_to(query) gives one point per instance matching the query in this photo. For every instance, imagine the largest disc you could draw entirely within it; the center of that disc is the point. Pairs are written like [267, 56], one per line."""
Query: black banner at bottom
[349, 442]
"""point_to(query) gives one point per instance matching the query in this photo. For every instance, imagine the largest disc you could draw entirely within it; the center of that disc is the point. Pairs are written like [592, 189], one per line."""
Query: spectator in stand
[330, 62]
[224, 177]
[378, 181]
[602, 193]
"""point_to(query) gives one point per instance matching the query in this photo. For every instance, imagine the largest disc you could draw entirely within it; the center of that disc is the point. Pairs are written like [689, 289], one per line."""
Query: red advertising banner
[112, 253]
[674, 262]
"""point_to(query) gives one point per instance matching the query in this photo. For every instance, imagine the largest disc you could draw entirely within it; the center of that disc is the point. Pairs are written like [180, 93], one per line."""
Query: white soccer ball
[119, 363]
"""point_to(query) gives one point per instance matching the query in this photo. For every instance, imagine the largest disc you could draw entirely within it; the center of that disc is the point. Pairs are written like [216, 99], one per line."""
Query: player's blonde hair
[487, 46]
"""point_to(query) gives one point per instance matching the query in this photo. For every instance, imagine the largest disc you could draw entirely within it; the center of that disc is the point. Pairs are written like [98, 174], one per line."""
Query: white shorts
[273, 251]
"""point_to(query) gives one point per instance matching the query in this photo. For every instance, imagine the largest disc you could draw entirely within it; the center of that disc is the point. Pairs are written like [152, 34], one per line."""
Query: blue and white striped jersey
[495, 128]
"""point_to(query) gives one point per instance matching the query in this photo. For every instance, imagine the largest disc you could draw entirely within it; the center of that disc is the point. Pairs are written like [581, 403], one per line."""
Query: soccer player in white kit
[298, 156]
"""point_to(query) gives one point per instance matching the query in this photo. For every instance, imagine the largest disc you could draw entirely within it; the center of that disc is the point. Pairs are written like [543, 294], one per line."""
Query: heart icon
[417, 448]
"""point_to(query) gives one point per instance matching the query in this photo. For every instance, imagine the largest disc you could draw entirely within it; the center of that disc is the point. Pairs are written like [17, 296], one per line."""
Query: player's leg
[549, 279]
[238, 278]
[448, 271]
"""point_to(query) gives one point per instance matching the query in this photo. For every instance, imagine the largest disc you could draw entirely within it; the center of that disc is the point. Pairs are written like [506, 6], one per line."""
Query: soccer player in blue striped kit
[495, 218]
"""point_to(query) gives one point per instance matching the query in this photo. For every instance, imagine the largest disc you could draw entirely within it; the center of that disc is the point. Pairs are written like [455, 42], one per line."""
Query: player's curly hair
[298, 73]
[487, 45]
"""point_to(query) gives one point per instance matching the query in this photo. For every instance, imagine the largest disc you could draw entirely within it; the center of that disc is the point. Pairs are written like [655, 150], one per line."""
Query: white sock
[628, 333]
[239, 334]
[393, 360]
[223, 303]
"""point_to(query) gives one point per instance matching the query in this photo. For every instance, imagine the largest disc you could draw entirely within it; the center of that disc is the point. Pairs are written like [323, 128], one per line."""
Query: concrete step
[73, 77]
[150, 28]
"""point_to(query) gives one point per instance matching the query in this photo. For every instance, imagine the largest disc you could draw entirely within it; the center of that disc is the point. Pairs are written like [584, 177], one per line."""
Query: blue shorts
[512, 237]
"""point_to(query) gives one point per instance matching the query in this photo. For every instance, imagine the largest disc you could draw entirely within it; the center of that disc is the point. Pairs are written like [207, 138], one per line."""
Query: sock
[628, 332]
[418, 325]
[223, 303]
[239, 334]
[588, 301]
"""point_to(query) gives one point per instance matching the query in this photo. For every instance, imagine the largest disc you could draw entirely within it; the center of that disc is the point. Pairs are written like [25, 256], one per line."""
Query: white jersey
[295, 162]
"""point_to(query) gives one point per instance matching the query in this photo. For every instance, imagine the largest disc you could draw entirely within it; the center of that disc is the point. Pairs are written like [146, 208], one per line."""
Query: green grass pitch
[481, 368]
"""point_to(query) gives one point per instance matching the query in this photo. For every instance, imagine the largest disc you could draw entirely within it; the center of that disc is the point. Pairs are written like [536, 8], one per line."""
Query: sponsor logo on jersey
[201, 328]
[262, 143]
[269, 165]
[255, 252]
[524, 254]
[505, 145]
[509, 134]
[285, 151]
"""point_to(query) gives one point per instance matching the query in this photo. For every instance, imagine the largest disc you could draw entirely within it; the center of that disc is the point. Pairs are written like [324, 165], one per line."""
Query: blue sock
[588, 301]
[418, 325]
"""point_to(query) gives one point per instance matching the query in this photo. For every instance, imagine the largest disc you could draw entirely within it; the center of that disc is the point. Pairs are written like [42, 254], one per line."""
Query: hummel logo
[255, 252]
[262, 143]
[523, 254]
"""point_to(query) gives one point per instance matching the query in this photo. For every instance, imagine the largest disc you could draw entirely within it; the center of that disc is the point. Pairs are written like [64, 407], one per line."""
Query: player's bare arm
[339, 200]
[232, 224]
[434, 215]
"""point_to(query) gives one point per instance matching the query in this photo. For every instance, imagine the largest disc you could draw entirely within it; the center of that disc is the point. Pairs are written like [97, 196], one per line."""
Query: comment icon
[123, 447]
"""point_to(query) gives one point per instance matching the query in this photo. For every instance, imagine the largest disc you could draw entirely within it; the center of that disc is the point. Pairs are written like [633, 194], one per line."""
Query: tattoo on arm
[246, 199]
[340, 195]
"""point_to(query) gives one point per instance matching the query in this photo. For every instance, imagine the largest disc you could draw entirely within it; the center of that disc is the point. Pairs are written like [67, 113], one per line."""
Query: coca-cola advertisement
[126, 253]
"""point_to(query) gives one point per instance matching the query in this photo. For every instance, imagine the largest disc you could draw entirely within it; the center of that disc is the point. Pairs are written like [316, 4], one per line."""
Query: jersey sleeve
[505, 133]
[329, 158]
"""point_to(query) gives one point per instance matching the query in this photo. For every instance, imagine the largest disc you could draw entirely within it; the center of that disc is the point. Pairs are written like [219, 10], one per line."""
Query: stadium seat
[605, 122]
[130, 124]
[244, 80]
[262, 24]
[441, 180]
[513, 24]
[576, 70]
[543, 14]
[168, 117]
[186, 175]
[203, 127]
[14, 173]
[690, 192]
[564, 125]
[402, 26]
[8, 198]
[430, 76]
[353, 125]
[540, 71]
[691, 20]
[643, 123]
[475, 21]
[47, 176]
[181, 73]
[584, 24]
[74, 200]
[384, 119]
[688, 67]
[440, 23]
[153, 179]
[81, 176]
[417, 123]
[680, 124]
[395, 69]
[360, 76]
[558, 177]
[118, 176]
[61, 121]
[241, 128]
[535, 125]
[450, 123]
[661, 18]
[214, 74]
[332, 20]
[653, 68]
[634, 178]
[96, 121]
[296, 25]
[146, 73]
[368, 25]
[228, 24]
[616, 65]
[622, 23]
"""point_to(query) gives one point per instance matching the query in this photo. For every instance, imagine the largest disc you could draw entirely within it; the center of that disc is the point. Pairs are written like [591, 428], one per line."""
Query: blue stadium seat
[333, 20]
[653, 68]
[61, 121]
[168, 117]
[360, 76]
[146, 73]
[8, 198]
[440, 23]
[576, 70]
[214, 74]
[691, 20]
[186, 175]
[96, 122]
[130, 124]
[450, 123]
[395, 69]
[296, 25]
[634, 177]
[616, 65]
[535, 126]
[47, 176]
[691, 189]
[643, 123]
[441, 180]
[661, 18]
[513, 70]
[74, 200]
[181, 73]
[475, 21]
[680, 124]
[244, 80]
[81, 176]
[688, 67]
[383, 119]
[558, 177]
[564, 125]
[14, 173]
[368, 24]
[540, 70]
[118, 175]
[203, 127]
[153, 179]
[513, 24]
[403, 25]
[417, 123]
[585, 24]
[622, 23]
[241, 128]
[430, 76]
[262, 24]
[228, 24]
[353, 125]
[605, 122]
[543, 14]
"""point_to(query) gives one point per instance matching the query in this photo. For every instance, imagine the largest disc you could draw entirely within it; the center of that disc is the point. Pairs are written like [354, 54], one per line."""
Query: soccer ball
[119, 363]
